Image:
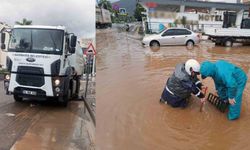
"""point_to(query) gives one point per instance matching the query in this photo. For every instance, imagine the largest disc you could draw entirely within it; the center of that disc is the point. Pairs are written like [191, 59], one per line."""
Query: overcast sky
[77, 15]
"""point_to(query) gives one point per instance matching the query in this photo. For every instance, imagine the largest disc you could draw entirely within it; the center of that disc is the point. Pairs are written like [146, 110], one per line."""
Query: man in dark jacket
[182, 84]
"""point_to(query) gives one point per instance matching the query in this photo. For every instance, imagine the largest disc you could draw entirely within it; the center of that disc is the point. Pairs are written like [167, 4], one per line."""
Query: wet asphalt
[44, 125]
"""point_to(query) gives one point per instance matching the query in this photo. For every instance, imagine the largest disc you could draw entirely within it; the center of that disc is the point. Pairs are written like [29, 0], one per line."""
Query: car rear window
[183, 32]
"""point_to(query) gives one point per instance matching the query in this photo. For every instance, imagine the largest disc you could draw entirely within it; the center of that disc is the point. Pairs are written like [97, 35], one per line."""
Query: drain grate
[219, 104]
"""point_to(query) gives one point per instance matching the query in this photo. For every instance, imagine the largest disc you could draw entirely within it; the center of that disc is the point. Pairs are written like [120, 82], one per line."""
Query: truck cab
[235, 29]
[42, 62]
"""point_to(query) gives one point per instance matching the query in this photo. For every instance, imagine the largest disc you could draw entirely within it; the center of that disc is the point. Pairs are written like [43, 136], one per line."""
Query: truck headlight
[57, 82]
[7, 77]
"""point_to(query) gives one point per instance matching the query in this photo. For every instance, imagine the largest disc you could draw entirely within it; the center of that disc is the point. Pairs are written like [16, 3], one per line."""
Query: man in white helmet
[182, 84]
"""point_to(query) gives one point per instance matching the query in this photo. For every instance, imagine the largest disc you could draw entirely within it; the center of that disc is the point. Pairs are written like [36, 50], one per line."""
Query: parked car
[172, 36]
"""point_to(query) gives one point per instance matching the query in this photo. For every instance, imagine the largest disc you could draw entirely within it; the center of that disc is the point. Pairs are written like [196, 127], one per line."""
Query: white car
[172, 36]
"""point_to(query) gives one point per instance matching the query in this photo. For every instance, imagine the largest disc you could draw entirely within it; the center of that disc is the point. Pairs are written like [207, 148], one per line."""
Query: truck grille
[30, 76]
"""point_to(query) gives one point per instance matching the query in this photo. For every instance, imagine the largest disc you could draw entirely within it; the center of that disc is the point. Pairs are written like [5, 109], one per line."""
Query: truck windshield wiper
[18, 50]
[54, 43]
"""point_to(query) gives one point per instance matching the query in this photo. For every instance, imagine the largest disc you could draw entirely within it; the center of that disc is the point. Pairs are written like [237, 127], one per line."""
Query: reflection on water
[130, 81]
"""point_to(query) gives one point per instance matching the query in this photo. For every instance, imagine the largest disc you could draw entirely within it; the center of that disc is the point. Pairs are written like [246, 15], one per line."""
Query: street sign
[122, 11]
[90, 49]
[116, 7]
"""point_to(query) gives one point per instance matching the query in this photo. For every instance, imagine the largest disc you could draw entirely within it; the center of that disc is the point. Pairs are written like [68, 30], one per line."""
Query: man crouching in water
[182, 83]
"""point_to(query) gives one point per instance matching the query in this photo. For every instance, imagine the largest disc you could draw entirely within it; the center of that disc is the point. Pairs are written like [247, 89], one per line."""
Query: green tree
[176, 22]
[24, 22]
[138, 12]
[184, 21]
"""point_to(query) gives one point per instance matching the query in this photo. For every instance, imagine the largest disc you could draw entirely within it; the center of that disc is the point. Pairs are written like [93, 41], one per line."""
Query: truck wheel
[228, 43]
[17, 98]
[218, 41]
[75, 93]
[7, 92]
[65, 99]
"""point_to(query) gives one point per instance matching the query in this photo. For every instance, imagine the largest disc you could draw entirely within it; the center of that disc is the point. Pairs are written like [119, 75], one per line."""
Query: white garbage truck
[42, 62]
[228, 36]
[235, 29]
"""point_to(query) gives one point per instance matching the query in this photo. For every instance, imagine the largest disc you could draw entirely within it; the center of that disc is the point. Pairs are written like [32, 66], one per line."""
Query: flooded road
[129, 84]
[44, 125]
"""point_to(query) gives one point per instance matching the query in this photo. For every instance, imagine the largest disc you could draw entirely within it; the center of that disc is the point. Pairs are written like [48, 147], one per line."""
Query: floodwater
[129, 84]
[33, 125]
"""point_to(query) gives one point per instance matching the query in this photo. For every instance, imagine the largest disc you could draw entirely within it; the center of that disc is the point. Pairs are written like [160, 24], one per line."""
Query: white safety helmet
[192, 63]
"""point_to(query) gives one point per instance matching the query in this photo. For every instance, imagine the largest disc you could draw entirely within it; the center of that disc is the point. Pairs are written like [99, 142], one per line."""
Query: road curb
[89, 100]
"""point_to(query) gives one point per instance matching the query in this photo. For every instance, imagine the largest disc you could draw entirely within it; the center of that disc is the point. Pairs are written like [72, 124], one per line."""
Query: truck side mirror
[73, 41]
[2, 41]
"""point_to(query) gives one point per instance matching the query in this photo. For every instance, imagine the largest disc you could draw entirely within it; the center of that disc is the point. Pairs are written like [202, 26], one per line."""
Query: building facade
[195, 15]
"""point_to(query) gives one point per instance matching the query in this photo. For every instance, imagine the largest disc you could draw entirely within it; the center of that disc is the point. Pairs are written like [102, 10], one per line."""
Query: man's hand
[203, 100]
[216, 93]
[204, 90]
[232, 101]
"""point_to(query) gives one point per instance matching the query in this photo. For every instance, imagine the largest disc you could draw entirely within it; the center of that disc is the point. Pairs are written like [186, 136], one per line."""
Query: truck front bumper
[30, 93]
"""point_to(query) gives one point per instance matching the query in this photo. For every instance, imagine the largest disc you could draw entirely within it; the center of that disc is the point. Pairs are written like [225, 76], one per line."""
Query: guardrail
[89, 74]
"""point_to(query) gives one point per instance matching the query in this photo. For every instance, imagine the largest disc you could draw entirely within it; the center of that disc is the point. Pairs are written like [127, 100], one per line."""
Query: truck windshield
[36, 41]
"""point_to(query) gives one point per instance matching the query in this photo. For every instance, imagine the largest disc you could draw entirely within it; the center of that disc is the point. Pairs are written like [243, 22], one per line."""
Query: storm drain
[217, 102]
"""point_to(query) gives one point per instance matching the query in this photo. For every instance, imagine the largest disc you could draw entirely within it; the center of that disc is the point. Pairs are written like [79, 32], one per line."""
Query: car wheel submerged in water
[155, 45]
[190, 44]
